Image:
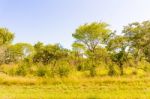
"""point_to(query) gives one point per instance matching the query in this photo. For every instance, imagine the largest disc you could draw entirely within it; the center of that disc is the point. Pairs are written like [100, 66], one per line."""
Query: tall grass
[118, 87]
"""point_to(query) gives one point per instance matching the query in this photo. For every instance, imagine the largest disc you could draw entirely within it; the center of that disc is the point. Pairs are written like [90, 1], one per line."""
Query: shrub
[41, 71]
[21, 70]
[93, 71]
[8, 69]
[111, 71]
[11, 71]
[63, 71]
[81, 67]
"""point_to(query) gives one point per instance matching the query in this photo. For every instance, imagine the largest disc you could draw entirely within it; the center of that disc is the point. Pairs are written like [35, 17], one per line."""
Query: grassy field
[133, 87]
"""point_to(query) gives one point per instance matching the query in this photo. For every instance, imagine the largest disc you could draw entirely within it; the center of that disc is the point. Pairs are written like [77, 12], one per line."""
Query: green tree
[19, 51]
[6, 37]
[118, 51]
[138, 36]
[90, 37]
[76, 55]
[49, 53]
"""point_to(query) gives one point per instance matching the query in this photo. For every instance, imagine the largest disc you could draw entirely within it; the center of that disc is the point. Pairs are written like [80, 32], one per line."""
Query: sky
[54, 21]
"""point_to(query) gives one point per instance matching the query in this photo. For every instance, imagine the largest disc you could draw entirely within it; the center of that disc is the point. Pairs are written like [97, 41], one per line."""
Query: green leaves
[6, 36]
[138, 35]
[90, 36]
[117, 43]
[49, 53]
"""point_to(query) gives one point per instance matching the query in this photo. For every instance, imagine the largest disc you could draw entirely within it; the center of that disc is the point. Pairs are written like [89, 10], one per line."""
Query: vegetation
[100, 64]
[78, 88]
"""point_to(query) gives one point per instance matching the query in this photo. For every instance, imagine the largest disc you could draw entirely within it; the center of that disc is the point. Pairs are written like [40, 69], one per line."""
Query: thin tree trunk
[121, 69]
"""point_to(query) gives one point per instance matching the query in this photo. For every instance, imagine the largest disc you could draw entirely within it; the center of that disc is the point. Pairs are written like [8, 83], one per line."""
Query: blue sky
[54, 21]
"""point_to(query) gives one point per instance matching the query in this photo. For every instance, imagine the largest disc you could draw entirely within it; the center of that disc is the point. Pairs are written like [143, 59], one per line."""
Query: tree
[38, 46]
[6, 36]
[138, 36]
[147, 53]
[76, 55]
[90, 37]
[118, 47]
[19, 52]
[49, 53]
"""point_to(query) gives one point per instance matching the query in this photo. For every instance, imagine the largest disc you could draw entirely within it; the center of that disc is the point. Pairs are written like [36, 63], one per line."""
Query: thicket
[97, 50]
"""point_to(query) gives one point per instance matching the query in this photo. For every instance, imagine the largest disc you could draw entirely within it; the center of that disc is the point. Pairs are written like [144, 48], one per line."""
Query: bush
[21, 70]
[8, 69]
[41, 71]
[63, 71]
[11, 71]
[93, 71]
[111, 71]
[81, 67]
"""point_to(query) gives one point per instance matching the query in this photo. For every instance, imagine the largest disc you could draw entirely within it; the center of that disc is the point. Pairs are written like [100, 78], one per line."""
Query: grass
[133, 87]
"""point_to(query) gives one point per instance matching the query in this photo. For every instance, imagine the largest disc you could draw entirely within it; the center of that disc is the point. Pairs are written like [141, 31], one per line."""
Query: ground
[73, 88]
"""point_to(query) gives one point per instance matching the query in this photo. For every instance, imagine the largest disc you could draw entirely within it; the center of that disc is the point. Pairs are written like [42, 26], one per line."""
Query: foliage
[6, 36]
[63, 71]
[41, 72]
[48, 53]
[96, 49]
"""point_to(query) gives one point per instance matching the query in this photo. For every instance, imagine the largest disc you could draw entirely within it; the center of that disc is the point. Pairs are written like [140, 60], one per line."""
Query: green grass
[74, 92]
[132, 87]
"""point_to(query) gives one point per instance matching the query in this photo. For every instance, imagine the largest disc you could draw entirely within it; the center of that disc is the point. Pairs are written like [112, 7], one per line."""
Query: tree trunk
[121, 68]
[137, 58]
[136, 61]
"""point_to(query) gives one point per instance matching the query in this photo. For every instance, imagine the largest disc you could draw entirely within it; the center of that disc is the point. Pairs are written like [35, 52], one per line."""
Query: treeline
[95, 47]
